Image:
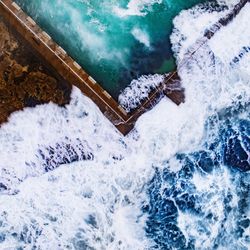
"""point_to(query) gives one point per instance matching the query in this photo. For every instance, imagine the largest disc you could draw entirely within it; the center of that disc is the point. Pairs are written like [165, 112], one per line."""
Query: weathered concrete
[70, 70]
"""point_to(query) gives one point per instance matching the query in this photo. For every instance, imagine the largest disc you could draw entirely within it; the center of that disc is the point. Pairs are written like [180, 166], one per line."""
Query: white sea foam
[139, 89]
[198, 21]
[141, 36]
[93, 40]
[84, 202]
[97, 202]
[211, 202]
[229, 35]
[135, 8]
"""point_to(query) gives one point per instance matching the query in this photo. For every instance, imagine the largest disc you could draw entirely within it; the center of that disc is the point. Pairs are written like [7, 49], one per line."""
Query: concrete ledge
[45, 36]
[16, 6]
[122, 109]
[77, 65]
[107, 94]
[31, 21]
[92, 80]
[72, 72]
[60, 51]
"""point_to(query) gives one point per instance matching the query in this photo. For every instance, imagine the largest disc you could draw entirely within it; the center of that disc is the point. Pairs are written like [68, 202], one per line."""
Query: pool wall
[71, 71]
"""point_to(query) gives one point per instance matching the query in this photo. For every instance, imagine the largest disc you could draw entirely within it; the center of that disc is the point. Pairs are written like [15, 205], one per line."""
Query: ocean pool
[114, 41]
[180, 181]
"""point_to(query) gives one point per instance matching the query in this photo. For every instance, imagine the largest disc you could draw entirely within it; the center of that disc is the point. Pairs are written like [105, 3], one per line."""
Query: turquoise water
[181, 181]
[114, 41]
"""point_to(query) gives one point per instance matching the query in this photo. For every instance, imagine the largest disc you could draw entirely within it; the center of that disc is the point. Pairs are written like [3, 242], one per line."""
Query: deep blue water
[172, 194]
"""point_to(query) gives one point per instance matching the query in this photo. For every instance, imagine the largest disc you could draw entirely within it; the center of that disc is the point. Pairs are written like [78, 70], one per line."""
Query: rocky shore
[25, 81]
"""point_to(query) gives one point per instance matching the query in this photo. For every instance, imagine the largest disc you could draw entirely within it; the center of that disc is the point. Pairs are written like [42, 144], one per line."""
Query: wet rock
[3, 187]
[24, 80]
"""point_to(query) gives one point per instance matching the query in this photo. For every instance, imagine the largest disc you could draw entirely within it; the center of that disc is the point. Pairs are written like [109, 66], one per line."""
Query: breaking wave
[179, 181]
[138, 90]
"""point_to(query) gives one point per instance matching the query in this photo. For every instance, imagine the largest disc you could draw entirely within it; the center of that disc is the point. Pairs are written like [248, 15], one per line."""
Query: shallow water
[114, 41]
[179, 181]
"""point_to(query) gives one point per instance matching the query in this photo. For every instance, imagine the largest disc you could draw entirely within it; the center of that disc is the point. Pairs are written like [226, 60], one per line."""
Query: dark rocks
[3, 187]
[65, 152]
[24, 80]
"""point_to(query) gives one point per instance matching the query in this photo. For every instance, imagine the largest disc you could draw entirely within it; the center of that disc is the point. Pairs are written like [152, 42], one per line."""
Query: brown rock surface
[24, 79]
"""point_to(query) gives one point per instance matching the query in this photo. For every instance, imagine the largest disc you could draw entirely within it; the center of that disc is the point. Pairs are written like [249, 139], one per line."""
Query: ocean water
[180, 180]
[114, 41]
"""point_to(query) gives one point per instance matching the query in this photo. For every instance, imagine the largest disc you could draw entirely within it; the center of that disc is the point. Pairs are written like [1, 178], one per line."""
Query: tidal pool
[114, 41]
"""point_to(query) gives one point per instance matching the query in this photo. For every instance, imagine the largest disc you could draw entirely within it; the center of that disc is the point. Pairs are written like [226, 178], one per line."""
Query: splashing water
[116, 42]
[179, 181]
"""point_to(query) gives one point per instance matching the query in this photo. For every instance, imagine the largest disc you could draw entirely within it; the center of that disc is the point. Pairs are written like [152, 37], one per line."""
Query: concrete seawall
[72, 72]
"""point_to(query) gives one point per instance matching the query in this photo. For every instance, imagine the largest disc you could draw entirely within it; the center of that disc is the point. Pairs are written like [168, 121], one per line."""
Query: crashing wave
[181, 179]
[138, 90]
